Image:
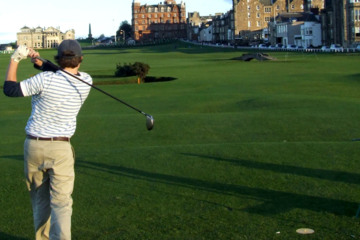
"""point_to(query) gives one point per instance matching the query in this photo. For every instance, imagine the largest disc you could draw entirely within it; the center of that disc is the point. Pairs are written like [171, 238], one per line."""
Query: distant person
[48, 154]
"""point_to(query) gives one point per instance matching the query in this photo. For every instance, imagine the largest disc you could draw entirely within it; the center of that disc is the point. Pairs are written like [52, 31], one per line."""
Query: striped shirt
[56, 102]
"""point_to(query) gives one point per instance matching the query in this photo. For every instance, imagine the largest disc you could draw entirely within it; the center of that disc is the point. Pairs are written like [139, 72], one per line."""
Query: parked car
[279, 45]
[263, 45]
[336, 48]
[325, 49]
[292, 46]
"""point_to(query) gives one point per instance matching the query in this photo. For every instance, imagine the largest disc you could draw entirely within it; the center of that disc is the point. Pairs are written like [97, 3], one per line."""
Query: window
[249, 24]
[258, 7]
[357, 31]
[258, 23]
[308, 31]
[258, 15]
[267, 19]
[293, 6]
[268, 9]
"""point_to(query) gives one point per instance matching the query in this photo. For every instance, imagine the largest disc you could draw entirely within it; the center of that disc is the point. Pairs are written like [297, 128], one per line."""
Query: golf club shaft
[100, 90]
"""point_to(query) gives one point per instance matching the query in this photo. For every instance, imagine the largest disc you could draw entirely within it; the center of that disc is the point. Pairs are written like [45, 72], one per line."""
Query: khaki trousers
[49, 171]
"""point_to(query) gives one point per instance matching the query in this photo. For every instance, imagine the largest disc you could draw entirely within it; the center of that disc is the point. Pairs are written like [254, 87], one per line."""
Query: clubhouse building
[43, 38]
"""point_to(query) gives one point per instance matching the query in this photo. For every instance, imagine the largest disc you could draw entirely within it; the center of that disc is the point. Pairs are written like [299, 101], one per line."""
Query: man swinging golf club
[48, 154]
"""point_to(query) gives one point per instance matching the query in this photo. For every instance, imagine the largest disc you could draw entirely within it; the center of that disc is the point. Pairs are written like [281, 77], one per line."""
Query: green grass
[240, 150]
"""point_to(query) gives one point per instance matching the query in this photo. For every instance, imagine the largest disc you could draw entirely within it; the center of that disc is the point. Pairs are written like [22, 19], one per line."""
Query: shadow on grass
[9, 237]
[336, 176]
[274, 202]
[354, 77]
[120, 80]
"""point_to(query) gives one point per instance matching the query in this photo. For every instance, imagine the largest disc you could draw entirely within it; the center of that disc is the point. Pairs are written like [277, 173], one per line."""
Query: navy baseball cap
[69, 46]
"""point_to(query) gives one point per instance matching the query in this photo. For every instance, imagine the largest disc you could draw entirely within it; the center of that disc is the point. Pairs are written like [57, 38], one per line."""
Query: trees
[141, 70]
[124, 31]
[138, 69]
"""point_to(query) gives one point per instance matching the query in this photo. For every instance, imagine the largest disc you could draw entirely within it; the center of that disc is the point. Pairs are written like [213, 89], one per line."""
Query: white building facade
[206, 34]
[43, 38]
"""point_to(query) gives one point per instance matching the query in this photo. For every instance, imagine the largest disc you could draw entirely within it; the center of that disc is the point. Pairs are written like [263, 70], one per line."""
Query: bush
[124, 70]
[137, 69]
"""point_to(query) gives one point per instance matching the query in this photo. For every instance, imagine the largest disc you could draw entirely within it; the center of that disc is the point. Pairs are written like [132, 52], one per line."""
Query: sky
[105, 18]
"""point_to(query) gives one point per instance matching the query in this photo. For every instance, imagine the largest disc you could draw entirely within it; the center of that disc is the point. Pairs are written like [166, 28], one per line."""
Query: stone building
[196, 23]
[43, 38]
[162, 21]
[223, 27]
[341, 22]
[302, 29]
[252, 16]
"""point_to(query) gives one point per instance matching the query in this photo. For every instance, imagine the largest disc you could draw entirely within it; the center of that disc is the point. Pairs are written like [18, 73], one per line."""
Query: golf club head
[149, 122]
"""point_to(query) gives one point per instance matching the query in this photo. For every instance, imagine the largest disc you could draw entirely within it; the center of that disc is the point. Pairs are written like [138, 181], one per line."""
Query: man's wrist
[12, 61]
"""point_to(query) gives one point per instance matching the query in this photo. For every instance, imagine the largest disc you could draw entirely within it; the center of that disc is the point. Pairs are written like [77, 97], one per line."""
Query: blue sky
[105, 18]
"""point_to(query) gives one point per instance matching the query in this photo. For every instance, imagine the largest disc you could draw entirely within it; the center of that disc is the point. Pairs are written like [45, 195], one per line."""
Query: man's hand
[21, 53]
[33, 54]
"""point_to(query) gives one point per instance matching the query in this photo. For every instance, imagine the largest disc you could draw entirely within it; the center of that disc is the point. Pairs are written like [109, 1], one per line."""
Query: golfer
[48, 154]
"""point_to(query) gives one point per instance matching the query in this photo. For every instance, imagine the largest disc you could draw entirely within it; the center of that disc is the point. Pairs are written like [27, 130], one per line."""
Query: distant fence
[273, 49]
[6, 52]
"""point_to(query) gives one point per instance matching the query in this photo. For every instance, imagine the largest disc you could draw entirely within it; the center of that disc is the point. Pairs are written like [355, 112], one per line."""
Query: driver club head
[149, 122]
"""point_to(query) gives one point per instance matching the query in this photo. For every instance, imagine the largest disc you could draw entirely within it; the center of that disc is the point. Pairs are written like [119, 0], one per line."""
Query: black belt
[66, 139]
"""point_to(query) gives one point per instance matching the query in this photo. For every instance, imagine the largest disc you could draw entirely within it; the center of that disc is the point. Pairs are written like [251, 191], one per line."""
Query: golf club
[149, 118]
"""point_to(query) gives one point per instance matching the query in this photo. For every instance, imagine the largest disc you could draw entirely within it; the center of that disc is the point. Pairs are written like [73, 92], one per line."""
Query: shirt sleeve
[47, 66]
[33, 85]
[12, 89]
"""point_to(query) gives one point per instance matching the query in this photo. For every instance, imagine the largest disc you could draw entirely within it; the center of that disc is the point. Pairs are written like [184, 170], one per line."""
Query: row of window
[268, 9]
[161, 28]
[155, 15]
[162, 9]
[150, 21]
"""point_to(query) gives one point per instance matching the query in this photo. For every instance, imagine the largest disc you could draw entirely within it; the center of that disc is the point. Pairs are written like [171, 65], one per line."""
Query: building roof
[297, 16]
